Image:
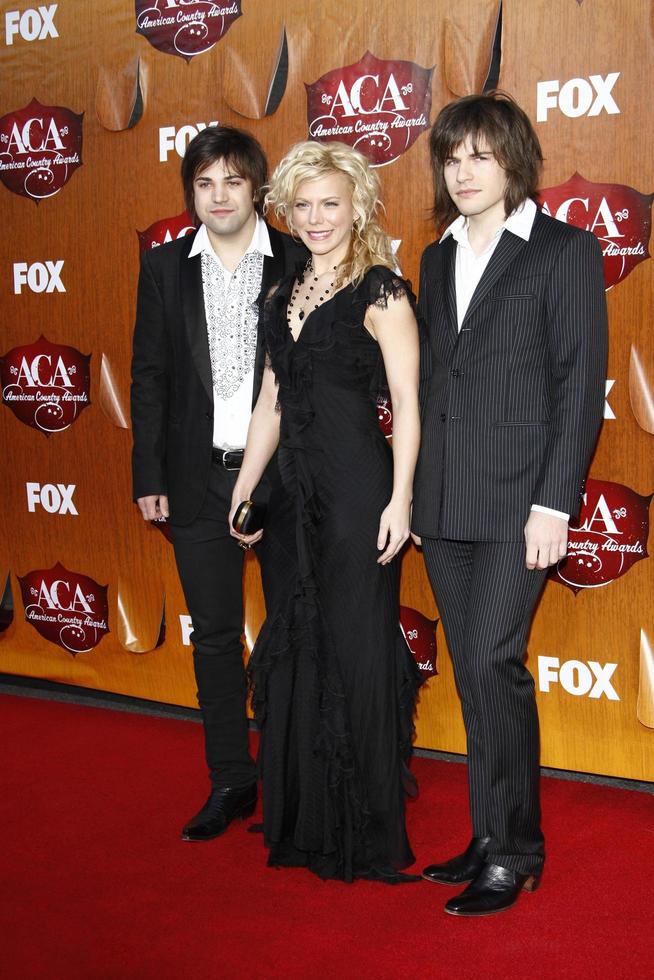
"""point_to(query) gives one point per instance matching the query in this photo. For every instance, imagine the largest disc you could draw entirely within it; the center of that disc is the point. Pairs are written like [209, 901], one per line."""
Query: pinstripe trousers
[486, 597]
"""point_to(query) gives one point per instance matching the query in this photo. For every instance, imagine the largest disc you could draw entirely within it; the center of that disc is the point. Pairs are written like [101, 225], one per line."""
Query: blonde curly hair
[309, 160]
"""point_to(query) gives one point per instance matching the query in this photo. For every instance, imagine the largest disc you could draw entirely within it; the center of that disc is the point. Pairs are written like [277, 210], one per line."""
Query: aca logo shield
[378, 107]
[40, 148]
[420, 635]
[165, 230]
[66, 608]
[610, 537]
[185, 28]
[385, 415]
[46, 385]
[619, 216]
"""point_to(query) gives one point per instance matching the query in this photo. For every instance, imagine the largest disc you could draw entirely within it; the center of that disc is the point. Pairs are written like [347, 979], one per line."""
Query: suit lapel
[438, 297]
[449, 284]
[273, 270]
[194, 317]
[507, 248]
[273, 265]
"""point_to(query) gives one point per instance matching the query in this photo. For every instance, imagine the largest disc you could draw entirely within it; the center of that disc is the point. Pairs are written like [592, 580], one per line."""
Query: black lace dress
[334, 683]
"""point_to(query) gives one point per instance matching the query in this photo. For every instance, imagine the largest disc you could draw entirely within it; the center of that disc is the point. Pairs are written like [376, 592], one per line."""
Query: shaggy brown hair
[497, 123]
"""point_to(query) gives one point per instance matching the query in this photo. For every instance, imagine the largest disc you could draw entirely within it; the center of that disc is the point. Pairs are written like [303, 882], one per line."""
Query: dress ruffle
[349, 849]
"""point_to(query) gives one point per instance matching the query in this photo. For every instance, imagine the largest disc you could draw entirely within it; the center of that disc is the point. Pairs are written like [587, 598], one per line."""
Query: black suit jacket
[511, 404]
[172, 390]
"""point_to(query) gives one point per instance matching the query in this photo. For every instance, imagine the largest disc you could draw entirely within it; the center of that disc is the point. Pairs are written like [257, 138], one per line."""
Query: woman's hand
[261, 443]
[396, 332]
[393, 529]
[245, 540]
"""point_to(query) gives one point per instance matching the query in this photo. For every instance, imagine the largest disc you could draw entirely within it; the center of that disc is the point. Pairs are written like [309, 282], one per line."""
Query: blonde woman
[334, 682]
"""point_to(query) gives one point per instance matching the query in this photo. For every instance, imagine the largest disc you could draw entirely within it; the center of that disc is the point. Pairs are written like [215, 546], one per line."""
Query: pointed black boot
[223, 806]
[493, 890]
[462, 868]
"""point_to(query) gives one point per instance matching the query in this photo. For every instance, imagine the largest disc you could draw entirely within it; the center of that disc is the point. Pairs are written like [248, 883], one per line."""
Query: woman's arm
[396, 332]
[262, 441]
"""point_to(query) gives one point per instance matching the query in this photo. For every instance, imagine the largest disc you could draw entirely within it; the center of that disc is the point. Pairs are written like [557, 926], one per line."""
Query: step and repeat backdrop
[97, 104]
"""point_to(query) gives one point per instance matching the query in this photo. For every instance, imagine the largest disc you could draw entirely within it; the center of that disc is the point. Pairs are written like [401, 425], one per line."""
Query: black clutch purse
[248, 517]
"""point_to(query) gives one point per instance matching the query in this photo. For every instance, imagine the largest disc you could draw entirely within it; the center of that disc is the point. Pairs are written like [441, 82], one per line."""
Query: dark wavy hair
[496, 120]
[239, 150]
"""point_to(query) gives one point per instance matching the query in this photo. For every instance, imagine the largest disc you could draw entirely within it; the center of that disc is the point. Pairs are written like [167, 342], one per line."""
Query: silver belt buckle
[226, 452]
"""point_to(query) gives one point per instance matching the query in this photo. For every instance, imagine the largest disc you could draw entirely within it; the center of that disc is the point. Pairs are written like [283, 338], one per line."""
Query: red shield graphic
[378, 107]
[66, 608]
[610, 537]
[420, 635]
[385, 415]
[165, 230]
[185, 28]
[619, 216]
[40, 147]
[46, 385]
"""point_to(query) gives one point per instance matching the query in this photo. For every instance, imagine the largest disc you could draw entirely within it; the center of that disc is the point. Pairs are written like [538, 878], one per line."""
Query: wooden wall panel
[134, 97]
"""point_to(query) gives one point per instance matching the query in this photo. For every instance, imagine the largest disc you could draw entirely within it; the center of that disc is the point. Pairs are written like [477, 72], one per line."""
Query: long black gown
[334, 682]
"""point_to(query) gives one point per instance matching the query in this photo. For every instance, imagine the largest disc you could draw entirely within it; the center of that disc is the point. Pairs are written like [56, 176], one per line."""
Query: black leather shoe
[462, 868]
[223, 806]
[493, 890]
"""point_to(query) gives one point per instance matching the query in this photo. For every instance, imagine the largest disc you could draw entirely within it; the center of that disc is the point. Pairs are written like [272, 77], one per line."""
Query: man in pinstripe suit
[513, 396]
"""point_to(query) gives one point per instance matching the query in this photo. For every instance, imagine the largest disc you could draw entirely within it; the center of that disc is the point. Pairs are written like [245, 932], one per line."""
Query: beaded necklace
[324, 292]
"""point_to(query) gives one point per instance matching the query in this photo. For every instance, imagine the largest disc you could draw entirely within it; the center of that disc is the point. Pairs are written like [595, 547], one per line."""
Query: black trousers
[486, 597]
[210, 566]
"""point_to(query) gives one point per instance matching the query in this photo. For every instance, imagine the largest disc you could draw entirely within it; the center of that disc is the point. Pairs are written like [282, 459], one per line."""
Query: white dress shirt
[232, 315]
[470, 268]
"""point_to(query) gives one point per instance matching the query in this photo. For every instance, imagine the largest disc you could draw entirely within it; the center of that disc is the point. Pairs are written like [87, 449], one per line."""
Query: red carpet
[97, 884]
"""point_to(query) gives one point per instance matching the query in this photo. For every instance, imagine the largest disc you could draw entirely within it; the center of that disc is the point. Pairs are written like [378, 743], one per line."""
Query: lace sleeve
[383, 283]
[378, 287]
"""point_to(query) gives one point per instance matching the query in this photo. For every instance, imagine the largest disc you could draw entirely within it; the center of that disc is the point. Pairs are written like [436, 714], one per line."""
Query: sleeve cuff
[548, 510]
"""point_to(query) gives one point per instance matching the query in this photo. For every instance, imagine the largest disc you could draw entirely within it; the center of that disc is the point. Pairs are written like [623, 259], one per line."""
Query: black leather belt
[231, 459]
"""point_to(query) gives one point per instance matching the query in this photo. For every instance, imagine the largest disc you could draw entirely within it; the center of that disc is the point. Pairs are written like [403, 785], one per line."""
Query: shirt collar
[260, 241]
[520, 222]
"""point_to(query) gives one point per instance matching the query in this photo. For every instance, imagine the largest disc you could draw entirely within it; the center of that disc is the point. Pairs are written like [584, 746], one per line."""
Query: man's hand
[546, 538]
[154, 507]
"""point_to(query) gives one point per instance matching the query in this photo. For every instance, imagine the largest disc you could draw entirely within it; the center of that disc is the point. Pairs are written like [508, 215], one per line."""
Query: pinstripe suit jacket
[511, 404]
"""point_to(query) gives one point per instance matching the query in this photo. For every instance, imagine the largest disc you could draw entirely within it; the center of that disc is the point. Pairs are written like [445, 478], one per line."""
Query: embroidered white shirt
[469, 269]
[232, 315]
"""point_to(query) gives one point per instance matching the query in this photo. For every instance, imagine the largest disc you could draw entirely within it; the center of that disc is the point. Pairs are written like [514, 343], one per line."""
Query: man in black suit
[513, 396]
[196, 373]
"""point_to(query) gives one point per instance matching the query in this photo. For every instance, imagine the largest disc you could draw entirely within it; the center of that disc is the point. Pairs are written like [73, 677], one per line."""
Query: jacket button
[443, 416]
[208, 415]
[455, 372]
